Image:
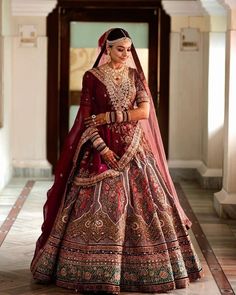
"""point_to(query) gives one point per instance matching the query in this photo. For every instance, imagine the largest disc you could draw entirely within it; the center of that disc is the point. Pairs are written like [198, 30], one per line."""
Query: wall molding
[32, 7]
[32, 168]
[184, 8]
[229, 4]
[213, 7]
[184, 163]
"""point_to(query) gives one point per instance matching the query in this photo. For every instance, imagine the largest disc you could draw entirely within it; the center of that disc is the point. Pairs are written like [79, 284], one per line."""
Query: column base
[225, 204]
[32, 169]
[209, 178]
[196, 170]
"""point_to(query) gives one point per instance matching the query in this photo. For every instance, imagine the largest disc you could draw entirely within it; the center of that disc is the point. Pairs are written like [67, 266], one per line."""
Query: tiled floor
[17, 249]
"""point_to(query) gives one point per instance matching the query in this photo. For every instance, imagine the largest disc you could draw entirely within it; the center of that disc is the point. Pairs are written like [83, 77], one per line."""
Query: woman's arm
[140, 113]
[108, 155]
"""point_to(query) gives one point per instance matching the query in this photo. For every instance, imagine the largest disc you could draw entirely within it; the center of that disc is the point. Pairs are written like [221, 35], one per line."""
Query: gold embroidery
[97, 226]
[141, 93]
[125, 159]
[93, 179]
[121, 94]
[85, 137]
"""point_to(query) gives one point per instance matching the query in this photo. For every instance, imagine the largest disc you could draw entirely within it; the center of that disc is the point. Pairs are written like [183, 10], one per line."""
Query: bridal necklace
[118, 86]
[116, 74]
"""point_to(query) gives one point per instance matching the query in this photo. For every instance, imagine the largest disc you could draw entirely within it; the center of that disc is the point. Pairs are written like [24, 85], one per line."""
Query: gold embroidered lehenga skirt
[124, 233]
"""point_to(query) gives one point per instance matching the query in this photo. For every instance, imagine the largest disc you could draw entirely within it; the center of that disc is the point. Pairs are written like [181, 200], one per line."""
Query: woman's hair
[117, 33]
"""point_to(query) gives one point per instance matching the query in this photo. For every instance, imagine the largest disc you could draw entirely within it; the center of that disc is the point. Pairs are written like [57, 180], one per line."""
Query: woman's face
[120, 51]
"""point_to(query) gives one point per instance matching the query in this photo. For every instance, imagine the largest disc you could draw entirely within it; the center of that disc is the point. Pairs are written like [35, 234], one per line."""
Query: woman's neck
[115, 66]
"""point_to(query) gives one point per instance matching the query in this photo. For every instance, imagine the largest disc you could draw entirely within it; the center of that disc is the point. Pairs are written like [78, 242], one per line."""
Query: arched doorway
[59, 23]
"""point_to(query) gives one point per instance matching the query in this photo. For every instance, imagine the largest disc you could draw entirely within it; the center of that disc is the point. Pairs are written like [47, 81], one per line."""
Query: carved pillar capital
[32, 7]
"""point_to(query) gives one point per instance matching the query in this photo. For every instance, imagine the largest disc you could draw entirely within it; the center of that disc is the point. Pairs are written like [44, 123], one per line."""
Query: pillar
[29, 81]
[210, 170]
[225, 200]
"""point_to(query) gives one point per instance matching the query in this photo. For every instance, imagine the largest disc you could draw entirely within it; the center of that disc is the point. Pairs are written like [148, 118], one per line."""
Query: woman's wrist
[108, 118]
[98, 143]
[104, 150]
[117, 117]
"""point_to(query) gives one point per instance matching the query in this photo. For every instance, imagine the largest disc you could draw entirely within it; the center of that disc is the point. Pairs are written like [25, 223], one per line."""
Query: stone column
[210, 171]
[225, 200]
[29, 81]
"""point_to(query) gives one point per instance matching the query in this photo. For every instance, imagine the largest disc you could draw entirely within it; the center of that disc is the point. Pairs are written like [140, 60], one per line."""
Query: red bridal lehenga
[116, 230]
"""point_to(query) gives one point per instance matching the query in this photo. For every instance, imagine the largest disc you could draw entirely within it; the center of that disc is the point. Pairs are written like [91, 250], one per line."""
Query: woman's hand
[111, 159]
[95, 120]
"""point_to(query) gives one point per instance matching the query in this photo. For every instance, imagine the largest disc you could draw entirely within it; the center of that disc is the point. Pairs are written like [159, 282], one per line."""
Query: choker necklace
[116, 74]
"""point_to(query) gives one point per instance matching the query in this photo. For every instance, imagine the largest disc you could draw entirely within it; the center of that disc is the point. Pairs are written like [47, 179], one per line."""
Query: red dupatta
[63, 170]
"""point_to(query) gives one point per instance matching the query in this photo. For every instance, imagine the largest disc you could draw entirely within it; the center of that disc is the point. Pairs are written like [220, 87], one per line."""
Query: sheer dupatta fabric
[57, 192]
[63, 171]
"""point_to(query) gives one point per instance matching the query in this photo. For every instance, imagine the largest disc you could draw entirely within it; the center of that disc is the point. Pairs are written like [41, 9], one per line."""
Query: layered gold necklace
[118, 86]
[117, 75]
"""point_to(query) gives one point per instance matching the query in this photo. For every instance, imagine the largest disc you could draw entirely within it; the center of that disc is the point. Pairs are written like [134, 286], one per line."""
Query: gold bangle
[129, 116]
[106, 149]
[119, 116]
[108, 118]
[97, 142]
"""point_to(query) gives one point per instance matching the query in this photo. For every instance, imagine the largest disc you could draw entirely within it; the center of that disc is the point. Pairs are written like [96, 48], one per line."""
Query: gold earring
[108, 59]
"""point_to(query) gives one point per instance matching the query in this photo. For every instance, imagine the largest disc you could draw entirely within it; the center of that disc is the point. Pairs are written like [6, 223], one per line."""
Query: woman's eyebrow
[120, 46]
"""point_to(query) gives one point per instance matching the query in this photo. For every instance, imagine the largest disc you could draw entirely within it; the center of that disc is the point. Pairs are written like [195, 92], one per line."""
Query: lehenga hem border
[113, 289]
[149, 288]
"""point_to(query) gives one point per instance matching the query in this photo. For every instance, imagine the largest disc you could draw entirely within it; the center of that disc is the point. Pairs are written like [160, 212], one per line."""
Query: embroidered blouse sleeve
[141, 94]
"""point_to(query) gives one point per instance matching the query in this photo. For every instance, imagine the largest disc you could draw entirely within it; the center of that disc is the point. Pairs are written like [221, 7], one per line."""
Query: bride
[112, 220]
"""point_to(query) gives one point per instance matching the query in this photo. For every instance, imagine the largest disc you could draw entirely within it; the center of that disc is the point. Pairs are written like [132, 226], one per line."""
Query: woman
[112, 220]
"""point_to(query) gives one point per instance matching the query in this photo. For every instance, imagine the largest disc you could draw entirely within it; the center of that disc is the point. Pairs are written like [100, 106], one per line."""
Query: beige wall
[186, 99]
[29, 88]
[197, 96]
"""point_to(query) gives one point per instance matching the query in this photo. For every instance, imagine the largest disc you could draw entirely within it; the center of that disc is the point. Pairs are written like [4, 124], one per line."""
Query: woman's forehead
[123, 43]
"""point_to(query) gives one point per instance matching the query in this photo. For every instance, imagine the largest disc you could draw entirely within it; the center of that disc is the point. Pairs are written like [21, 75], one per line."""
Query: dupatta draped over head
[65, 164]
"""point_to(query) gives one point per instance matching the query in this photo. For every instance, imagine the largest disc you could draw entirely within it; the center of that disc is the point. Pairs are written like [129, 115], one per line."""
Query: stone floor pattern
[21, 213]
